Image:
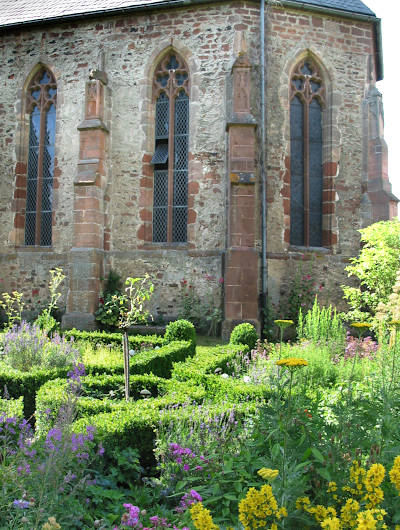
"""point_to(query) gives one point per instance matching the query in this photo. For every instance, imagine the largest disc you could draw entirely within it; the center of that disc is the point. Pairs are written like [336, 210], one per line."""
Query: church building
[190, 139]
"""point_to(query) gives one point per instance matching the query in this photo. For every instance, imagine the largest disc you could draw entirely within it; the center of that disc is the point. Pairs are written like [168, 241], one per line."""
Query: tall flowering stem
[291, 364]
[282, 325]
[359, 327]
[395, 324]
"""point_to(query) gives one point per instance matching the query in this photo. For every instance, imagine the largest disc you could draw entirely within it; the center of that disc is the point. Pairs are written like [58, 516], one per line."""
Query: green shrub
[180, 330]
[26, 384]
[12, 407]
[134, 426]
[115, 339]
[206, 361]
[105, 393]
[244, 334]
[375, 268]
[158, 361]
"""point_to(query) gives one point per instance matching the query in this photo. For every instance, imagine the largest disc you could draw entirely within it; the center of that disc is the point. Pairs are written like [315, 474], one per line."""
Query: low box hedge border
[12, 408]
[114, 339]
[206, 361]
[135, 426]
[158, 361]
[166, 392]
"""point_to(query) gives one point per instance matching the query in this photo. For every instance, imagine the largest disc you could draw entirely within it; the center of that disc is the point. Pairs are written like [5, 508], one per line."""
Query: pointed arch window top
[307, 82]
[171, 76]
[42, 91]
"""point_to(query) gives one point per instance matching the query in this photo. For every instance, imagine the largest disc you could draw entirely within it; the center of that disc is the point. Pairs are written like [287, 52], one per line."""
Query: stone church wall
[205, 37]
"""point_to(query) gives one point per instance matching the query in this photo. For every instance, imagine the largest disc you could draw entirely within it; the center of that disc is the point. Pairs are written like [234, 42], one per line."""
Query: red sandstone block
[20, 168]
[193, 188]
[328, 208]
[86, 203]
[328, 196]
[20, 181]
[357, 31]
[250, 310]
[147, 182]
[146, 214]
[316, 22]
[88, 240]
[19, 220]
[233, 310]
[146, 159]
[192, 215]
[329, 169]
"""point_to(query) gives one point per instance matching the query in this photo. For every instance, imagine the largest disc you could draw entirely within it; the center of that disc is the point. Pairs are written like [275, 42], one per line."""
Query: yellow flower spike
[332, 486]
[51, 524]
[394, 474]
[201, 517]
[258, 508]
[360, 325]
[366, 521]
[268, 474]
[283, 323]
[292, 362]
[332, 523]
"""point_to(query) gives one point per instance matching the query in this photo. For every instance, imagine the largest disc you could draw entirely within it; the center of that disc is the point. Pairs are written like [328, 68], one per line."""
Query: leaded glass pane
[160, 205]
[181, 150]
[315, 173]
[162, 116]
[32, 177]
[297, 172]
[39, 189]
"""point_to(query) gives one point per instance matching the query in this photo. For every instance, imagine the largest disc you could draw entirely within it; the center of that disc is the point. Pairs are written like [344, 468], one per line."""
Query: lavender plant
[42, 479]
[26, 346]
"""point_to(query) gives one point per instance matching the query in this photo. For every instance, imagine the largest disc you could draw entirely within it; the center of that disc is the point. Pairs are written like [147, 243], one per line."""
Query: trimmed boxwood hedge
[94, 399]
[114, 339]
[102, 361]
[134, 426]
[26, 384]
[158, 361]
[12, 408]
[206, 361]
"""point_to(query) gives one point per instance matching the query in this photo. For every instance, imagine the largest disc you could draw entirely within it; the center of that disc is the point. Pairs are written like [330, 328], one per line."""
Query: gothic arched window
[307, 97]
[170, 202]
[41, 105]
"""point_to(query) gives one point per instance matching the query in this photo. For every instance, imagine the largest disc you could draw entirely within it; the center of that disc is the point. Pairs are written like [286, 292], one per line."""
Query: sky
[389, 12]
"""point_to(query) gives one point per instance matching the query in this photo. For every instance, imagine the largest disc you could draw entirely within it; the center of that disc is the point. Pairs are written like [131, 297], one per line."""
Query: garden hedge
[97, 393]
[206, 361]
[114, 339]
[101, 361]
[158, 361]
[26, 384]
[134, 426]
[12, 408]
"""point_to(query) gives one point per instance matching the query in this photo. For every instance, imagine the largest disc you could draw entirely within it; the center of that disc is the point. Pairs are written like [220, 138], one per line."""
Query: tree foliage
[375, 268]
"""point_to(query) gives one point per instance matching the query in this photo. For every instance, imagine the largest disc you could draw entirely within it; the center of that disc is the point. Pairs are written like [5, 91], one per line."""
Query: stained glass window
[170, 159]
[41, 105]
[306, 106]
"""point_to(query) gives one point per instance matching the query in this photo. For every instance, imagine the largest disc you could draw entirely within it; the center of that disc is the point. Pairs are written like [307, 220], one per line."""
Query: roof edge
[107, 12]
[184, 3]
[354, 16]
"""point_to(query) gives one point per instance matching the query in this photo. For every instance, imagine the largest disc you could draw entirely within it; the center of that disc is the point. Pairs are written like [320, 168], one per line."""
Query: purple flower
[131, 517]
[21, 504]
[186, 467]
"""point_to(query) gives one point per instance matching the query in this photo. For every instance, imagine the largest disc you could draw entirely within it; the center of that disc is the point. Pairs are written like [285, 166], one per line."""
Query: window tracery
[307, 101]
[41, 105]
[170, 159]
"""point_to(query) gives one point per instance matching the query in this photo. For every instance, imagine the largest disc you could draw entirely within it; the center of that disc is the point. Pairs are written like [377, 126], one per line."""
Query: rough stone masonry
[103, 191]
